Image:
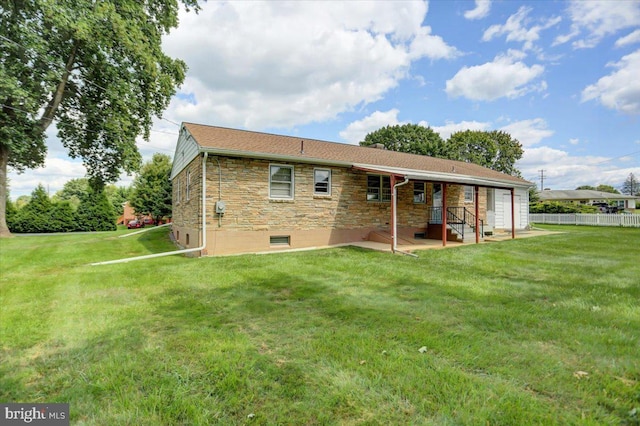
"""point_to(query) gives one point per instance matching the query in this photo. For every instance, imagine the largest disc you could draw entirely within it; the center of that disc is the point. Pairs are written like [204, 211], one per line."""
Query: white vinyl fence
[629, 220]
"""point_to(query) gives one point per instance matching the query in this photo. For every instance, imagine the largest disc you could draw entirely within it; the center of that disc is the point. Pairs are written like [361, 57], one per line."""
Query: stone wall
[251, 216]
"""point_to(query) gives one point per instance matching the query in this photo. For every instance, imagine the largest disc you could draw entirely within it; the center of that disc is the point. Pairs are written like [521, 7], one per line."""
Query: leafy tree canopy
[496, 150]
[588, 187]
[411, 138]
[96, 68]
[72, 191]
[152, 188]
[607, 188]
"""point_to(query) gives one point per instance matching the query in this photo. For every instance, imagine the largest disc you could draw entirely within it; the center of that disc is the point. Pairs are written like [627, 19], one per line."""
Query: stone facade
[252, 219]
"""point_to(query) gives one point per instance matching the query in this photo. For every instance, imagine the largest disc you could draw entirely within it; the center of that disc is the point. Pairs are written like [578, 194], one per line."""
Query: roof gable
[226, 141]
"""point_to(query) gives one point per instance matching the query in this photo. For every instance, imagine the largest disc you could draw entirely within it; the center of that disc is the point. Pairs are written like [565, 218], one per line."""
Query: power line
[615, 158]
[170, 121]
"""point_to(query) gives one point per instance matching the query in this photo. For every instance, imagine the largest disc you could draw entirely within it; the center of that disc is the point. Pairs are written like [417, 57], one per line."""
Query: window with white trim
[378, 188]
[469, 193]
[419, 192]
[322, 182]
[280, 182]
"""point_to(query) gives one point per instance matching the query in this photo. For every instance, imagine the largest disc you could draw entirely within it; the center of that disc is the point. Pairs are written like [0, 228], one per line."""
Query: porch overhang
[445, 179]
[454, 178]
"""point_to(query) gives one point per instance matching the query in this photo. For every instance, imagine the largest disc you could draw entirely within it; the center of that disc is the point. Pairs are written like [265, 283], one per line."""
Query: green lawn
[543, 330]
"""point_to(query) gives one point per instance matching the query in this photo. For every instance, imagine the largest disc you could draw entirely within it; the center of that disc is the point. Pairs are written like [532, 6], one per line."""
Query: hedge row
[40, 215]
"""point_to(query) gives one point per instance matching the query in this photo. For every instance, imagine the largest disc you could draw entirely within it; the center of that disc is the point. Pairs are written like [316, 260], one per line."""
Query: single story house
[238, 191]
[591, 197]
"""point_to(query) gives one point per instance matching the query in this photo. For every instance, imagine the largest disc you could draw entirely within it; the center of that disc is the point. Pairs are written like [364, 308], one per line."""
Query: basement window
[280, 240]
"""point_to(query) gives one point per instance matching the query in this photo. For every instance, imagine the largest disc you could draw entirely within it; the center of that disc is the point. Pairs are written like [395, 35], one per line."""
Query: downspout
[394, 200]
[171, 253]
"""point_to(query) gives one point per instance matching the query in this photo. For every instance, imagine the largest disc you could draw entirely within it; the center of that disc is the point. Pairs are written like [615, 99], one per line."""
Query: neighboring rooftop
[580, 194]
[245, 143]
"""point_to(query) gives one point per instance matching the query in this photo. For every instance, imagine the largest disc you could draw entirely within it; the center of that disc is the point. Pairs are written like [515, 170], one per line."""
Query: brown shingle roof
[212, 139]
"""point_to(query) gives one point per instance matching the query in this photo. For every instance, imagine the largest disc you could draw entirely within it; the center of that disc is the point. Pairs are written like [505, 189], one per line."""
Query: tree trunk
[4, 159]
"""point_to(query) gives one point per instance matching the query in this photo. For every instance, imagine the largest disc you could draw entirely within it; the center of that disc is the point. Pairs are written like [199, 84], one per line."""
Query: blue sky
[562, 77]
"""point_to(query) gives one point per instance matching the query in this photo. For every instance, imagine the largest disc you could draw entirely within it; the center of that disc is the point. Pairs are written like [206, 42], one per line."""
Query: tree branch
[52, 107]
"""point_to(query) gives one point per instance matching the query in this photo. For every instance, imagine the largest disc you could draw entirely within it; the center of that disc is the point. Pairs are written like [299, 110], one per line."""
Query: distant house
[590, 197]
[237, 191]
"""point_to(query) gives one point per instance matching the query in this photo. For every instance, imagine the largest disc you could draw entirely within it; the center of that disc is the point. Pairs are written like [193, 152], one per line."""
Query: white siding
[503, 208]
[186, 150]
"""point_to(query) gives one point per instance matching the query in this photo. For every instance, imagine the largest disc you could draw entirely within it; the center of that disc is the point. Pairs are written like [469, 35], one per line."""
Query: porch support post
[444, 214]
[393, 213]
[475, 198]
[513, 214]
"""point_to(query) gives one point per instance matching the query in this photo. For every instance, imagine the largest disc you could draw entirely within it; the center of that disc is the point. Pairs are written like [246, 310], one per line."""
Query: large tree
[411, 138]
[607, 188]
[152, 188]
[631, 186]
[94, 67]
[496, 150]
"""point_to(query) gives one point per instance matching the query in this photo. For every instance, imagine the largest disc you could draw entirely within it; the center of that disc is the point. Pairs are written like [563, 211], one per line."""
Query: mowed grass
[543, 330]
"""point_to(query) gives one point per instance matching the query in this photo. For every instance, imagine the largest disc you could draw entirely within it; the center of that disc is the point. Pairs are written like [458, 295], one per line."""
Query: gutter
[171, 253]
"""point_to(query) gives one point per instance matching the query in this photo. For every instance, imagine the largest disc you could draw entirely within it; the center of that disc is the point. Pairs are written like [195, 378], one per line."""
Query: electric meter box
[221, 206]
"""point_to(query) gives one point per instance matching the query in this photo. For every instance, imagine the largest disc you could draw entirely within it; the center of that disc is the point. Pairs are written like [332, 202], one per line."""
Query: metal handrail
[457, 218]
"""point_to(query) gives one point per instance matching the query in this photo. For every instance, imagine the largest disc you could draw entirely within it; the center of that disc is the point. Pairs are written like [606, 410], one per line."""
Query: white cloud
[596, 19]
[281, 64]
[619, 90]
[528, 132]
[356, 131]
[631, 38]
[506, 76]
[450, 127]
[481, 10]
[574, 141]
[515, 28]
[430, 46]
[566, 171]
[53, 175]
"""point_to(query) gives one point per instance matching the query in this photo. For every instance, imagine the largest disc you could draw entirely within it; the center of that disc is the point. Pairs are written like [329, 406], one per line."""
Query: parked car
[148, 221]
[135, 224]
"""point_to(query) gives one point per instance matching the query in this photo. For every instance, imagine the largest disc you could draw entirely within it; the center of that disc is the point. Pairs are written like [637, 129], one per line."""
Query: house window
[177, 190]
[280, 240]
[322, 182]
[187, 186]
[419, 192]
[280, 182]
[378, 188]
[469, 194]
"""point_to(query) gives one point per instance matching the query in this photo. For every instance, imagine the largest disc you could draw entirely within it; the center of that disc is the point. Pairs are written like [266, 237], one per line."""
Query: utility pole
[541, 179]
